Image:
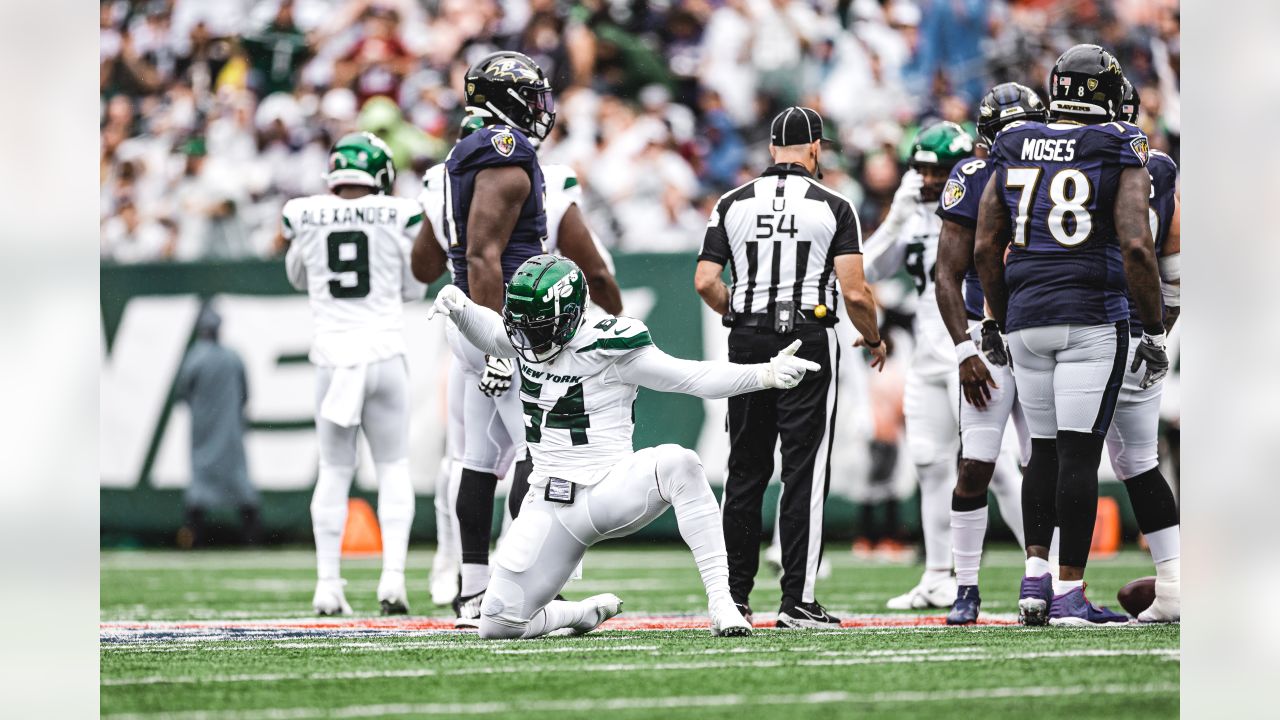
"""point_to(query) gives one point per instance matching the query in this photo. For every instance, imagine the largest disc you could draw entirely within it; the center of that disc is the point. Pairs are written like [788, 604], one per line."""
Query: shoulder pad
[617, 334]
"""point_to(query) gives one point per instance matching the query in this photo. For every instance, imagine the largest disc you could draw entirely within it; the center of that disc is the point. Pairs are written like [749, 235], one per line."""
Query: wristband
[966, 350]
[1156, 339]
[872, 345]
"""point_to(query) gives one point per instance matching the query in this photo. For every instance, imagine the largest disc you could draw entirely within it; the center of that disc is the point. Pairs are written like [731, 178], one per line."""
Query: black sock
[519, 486]
[475, 515]
[1152, 500]
[1039, 488]
[962, 503]
[867, 523]
[1078, 457]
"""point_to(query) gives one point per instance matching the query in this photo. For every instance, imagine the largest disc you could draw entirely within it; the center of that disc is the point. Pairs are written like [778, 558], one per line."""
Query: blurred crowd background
[215, 112]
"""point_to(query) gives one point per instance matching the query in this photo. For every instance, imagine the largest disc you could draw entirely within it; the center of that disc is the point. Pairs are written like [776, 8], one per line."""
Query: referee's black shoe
[793, 616]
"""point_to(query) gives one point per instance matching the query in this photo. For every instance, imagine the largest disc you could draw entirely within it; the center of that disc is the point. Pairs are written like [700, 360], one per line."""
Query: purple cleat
[1033, 600]
[1074, 609]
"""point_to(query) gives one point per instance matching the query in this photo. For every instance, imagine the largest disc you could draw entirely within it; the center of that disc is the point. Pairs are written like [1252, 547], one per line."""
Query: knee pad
[981, 443]
[1130, 461]
[503, 608]
[675, 466]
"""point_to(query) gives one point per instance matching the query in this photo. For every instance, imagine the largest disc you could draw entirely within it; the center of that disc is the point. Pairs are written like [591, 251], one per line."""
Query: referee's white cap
[795, 126]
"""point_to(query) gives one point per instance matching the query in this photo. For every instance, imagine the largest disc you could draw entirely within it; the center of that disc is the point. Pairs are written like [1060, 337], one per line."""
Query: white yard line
[873, 657]
[651, 703]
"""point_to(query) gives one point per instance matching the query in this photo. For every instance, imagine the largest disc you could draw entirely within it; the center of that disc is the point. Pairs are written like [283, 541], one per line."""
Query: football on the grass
[1137, 595]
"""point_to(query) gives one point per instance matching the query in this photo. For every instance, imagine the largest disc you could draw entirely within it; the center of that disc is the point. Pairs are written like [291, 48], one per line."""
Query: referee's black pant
[804, 418]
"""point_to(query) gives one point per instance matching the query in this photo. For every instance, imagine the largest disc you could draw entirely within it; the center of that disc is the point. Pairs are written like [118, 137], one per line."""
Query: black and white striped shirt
[779, 234]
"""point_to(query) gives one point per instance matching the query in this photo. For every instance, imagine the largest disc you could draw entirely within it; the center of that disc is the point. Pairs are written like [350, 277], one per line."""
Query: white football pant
[494, 426]
[1131, 441]
[545, 543]
[1068, 376]
[384, 417]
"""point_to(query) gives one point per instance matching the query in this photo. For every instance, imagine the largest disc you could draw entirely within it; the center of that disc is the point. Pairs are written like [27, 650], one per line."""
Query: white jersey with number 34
[352, 258]
[578, 417]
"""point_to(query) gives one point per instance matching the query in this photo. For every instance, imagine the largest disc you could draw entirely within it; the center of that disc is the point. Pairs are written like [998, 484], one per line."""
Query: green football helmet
[944, 143]
[543, 310]
[470, 124]
[361, 158]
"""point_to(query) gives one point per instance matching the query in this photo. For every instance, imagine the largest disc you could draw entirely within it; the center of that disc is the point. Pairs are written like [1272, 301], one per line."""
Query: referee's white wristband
[965, 350]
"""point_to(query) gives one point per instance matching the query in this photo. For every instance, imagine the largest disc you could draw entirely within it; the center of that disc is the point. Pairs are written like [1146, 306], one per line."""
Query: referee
[786, 239]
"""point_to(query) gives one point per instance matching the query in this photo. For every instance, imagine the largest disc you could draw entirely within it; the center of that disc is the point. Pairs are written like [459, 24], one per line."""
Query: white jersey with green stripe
[352, 258]
[578, 414]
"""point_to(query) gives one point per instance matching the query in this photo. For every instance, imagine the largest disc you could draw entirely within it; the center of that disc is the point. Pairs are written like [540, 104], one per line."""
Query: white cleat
[727, 621]
[329, 598]
[1167, 606]
[604, 606]
[940, 593]
[391, 594]
[444, 580]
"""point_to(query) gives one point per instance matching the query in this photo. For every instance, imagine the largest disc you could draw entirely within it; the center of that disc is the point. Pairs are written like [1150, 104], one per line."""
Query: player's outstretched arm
[577, 245]
[989, 242]
[499, 195]
[481, 326]
[710, 379]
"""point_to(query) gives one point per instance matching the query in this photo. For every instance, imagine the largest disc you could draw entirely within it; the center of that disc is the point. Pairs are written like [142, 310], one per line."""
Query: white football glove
[785, 371]
[496, 379]
[906, 199]
[448, 301]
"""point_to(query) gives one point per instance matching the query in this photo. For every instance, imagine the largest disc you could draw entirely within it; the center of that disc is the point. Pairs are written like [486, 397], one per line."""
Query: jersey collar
[786, 169]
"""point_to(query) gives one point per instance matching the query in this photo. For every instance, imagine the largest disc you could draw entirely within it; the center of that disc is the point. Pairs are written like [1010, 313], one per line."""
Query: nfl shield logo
[952, 194]
[1092, 83]
[504, 143]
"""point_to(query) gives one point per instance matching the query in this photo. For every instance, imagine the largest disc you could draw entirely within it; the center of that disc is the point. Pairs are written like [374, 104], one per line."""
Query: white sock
[968, 529]
[1062, 587]
[1036, 567]
[1006, 485]
[1168, 571]
[329, 518]
[936, 483]
[698, 517]
[446, 526]
[1054, 543]
[560, 614]
[475, 578]
[1165, 544]
[395, 513]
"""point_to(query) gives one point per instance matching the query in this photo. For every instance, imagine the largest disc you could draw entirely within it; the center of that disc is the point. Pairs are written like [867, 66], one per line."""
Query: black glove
[496, 379]
[1151, 351]
[993, 345]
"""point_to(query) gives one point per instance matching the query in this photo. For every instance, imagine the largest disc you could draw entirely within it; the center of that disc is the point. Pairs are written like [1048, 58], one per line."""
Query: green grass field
[179, 640]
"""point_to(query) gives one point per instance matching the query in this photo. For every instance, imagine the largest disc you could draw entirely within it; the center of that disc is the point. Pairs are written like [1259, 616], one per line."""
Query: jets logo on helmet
[943, 143]
[544, 305]
[952, 194]
[361, 159]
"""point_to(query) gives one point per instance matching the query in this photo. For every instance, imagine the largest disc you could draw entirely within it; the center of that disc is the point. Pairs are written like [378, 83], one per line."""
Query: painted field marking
[871, 657]
[654, 703]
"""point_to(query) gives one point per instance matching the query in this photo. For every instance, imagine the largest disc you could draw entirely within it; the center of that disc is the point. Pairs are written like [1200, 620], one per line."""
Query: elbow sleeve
[1171, 279]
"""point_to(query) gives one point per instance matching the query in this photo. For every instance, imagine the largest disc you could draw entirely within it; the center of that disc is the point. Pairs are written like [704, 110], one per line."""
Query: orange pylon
[362, 536]
[1106, 531]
